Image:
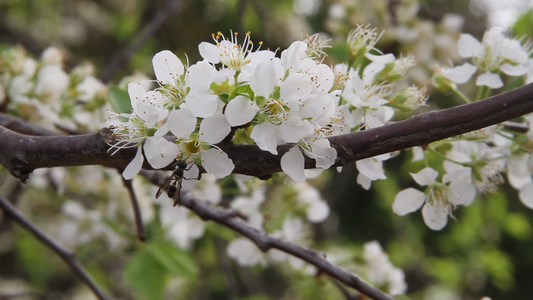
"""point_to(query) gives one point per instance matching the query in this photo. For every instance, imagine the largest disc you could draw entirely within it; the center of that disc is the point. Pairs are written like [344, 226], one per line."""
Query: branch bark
[21, 154]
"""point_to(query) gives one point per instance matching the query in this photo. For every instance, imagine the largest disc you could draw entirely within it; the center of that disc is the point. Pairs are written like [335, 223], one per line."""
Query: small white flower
[193, 146]
[438, 198]
[52, 81]
[233, 55]
[496, 52]
[245, 252]
[182, 227]
[368, 99]
[381, 271]
[134, 132]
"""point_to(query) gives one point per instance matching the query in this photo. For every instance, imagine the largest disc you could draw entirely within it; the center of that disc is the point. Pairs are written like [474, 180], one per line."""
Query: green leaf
[174, 260]
[524, 24]
[119, 100]
[146, 275]
[517, 225]
[244, 90]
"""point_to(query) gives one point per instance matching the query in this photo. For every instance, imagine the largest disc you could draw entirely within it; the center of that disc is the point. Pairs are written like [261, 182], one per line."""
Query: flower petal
[240, 111]
[436, 215]
[460, 74]
[167, 67]
[210, 52]
[266, 137]
[160, 152]
[181, 122]
[201, 104]
[425, 177]
[200, 76]
[292, 163]
[244, 252]
[408, 201]
[135, 165]
[214, 129]
[217, 162]
[317, 212]
[371, 168]
[468, 46]
[526, 195]
[462, 192]
[323, 153]
[514, 70]
[292, 56]
[489, 79]
[264, 78]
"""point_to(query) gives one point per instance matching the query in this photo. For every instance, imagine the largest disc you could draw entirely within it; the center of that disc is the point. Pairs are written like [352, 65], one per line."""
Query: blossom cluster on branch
[246, 96]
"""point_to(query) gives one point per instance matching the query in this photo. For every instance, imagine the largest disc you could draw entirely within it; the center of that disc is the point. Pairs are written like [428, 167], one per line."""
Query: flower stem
[483, 92]
[461, 95]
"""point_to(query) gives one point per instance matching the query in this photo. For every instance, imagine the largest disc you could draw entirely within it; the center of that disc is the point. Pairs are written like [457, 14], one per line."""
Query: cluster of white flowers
[381, 271]
[43, 92]
[294, 98]
[477, 162]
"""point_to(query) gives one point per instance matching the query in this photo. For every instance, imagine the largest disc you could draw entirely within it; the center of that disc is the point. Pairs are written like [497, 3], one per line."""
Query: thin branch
[517, 127]
[136, 210]
[142, 36]
[265, 242]
[346, 292]
[21, 126]
[67, 256]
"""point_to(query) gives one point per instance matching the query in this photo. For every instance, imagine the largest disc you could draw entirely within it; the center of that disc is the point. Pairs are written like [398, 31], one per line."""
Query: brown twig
[21, 126]
[136, 210]
[68, 257]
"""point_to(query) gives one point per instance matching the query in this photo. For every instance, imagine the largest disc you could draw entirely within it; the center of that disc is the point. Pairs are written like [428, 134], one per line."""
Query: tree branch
[21, 154]
[265, 242]
[67, 256]
[136, 210]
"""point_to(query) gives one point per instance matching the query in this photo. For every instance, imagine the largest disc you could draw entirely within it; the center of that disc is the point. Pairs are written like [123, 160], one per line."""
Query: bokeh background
[487, 251]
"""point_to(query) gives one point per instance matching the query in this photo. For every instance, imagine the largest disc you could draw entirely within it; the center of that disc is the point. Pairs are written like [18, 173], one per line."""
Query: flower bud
[409, 98]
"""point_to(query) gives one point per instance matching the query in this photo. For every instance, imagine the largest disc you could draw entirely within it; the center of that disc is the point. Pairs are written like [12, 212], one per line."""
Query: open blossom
[193, 146]
[368, 99]
[190, 85]
[494, 54]
[235, 56]
[299, 113]
[134, 132]
[381, 271]
[485, 164]
[438, 199]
